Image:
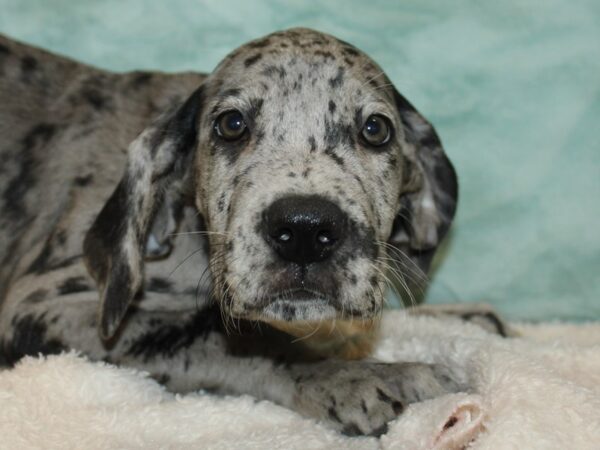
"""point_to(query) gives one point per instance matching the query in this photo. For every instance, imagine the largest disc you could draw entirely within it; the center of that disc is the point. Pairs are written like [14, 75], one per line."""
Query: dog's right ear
[159, 166]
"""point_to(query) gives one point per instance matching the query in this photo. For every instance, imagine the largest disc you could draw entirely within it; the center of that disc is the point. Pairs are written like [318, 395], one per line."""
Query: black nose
[304, 229]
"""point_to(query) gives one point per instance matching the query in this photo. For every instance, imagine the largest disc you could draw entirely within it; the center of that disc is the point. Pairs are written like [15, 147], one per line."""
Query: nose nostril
[325, 238]
[283, 235]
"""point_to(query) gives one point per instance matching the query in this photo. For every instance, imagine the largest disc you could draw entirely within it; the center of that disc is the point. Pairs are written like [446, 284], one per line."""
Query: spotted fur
[122, 211]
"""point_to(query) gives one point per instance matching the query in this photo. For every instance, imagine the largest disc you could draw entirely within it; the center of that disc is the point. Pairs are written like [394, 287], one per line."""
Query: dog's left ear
[428, 202]
[157, 176]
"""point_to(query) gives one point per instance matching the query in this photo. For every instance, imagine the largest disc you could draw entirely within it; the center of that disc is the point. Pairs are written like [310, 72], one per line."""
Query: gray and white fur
[132, 231]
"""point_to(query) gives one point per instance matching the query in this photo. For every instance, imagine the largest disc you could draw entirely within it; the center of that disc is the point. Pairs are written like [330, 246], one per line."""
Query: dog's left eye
[377, 130]
[230, 125]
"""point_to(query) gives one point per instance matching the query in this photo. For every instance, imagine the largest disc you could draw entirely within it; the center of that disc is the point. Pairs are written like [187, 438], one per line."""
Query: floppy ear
[429, 199]
[156, 176]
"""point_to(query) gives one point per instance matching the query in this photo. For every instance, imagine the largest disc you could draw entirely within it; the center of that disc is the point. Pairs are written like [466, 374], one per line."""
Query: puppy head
[310, 170]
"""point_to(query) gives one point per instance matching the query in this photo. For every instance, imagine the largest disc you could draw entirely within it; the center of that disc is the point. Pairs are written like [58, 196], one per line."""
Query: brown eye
[377, 130]
[230, 125]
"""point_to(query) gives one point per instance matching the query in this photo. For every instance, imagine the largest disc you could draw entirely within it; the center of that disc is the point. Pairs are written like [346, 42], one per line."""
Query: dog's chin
[298, 310]
[296, 306]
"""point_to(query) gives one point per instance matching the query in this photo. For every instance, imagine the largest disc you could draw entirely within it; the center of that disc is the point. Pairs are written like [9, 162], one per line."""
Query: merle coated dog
[229, 231]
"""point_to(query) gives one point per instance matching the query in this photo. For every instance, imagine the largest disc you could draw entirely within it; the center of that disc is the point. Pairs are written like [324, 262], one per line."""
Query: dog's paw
[360, 398]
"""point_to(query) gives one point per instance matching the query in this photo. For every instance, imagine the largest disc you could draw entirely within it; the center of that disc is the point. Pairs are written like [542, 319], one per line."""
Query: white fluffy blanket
[541, 391]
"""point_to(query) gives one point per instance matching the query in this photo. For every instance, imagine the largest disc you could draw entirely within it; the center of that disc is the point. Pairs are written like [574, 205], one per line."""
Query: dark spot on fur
[312, 143]
[338, 132]
[349, 61]
[221, 203]
[325, 54]
[383, 396]
[333, 415]
[162, 378]
[24, 177]
[40, 262]
[338, 159]
[351, 430]
[271, 70]
[332, 106]
[260, 44]
[252, 59]
[358, 118]
[256, 105]
[28, 65]
[29, 338]
[259, 137]
[397, 407]
[379, 431]
[95, 98]
[83, 180]
[167, 340]
[392, 160]
[291, 174]
[159, 284]
[140, 79]
[363, 406]
[338, 80]
[233, 92]
[350, 50]
[4, 50]
[36, 296]
[74, 285]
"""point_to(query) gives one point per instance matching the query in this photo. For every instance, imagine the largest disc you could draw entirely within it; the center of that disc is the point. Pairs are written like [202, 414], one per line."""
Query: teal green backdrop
[513, 88]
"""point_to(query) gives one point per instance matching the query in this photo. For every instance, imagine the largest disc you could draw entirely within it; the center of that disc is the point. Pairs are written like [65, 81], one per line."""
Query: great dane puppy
[228, 231]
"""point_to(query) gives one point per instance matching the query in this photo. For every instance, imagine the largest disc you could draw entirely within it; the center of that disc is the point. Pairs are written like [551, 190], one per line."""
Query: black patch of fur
[332, 106]
[25, 177]
[40, 263]
[260, 44]
[95, 98]
[325, 54]
[271, 70]
[28, 65]
[358, 118]
[333, 415]
[312, 143]
[338, 80]
[351, 430]
[338, 159]
[36, 296]
[74, 285]
[256, 105]
[29, 339]
[159, 284]
[141, 79]
[252, 59]
[167, 340]
[83, 180]
[380, 431]
[337, 133]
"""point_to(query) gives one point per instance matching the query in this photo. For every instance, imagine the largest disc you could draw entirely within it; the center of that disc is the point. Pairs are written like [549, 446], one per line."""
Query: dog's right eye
[230, 125]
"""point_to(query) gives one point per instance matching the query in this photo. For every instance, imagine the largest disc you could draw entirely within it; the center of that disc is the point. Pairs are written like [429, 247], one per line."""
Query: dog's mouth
[306, 305]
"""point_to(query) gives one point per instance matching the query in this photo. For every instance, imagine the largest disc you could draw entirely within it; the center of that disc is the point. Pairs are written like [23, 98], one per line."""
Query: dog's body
[65, 129]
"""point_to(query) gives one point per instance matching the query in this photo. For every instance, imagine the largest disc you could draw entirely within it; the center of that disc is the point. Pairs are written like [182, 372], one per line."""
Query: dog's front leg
[189, 350]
